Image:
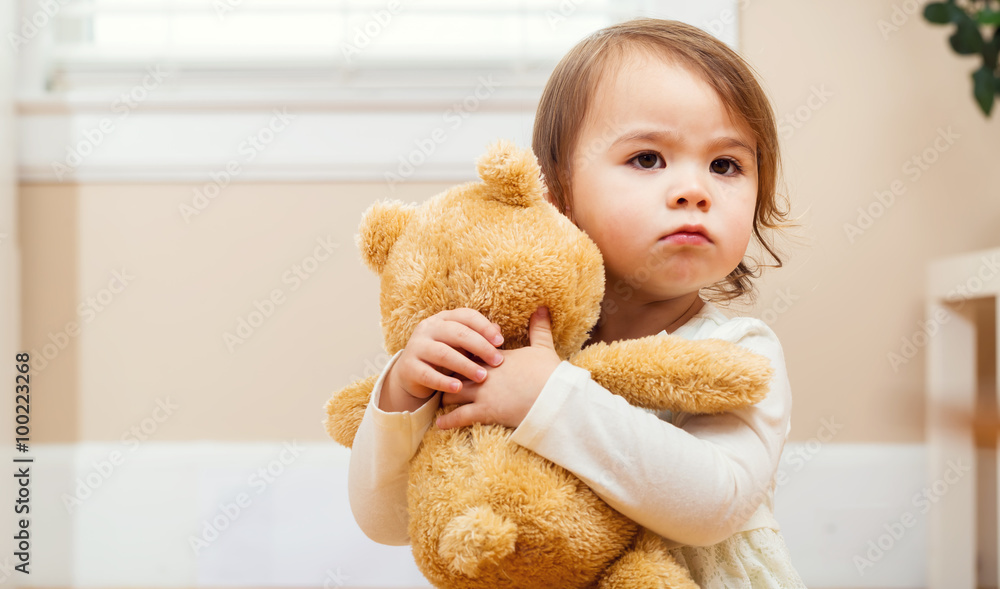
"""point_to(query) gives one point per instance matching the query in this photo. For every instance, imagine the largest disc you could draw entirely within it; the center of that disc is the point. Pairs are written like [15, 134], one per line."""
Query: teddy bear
[485, 512]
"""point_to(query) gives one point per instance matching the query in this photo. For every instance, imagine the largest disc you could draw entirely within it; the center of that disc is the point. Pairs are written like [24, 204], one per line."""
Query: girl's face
[663, 182]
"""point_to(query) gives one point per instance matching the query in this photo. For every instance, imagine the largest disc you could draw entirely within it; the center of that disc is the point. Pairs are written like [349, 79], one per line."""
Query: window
[165, 90]
[336, 43]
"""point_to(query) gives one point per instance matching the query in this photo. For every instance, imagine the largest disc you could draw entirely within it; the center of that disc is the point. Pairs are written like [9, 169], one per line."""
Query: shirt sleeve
[379, 465]
[694, 483]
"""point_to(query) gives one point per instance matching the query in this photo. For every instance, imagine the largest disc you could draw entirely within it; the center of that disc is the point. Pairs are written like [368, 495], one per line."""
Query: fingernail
[497, 339]
[497, 360]
[543, 311]
[481, 374]
[454, 386]
[437, 422]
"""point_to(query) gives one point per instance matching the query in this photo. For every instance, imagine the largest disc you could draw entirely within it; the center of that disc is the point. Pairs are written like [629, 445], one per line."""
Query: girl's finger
[444, 356]
[464, 415]
[477, 322]
[427, 381]
[460, 336]
[464, 396]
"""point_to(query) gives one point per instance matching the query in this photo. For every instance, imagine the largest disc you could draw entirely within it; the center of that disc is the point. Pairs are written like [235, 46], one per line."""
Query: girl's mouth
[686, 238]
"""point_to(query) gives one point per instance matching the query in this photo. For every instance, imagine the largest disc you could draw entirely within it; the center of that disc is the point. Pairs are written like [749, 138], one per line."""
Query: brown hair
[569, 91]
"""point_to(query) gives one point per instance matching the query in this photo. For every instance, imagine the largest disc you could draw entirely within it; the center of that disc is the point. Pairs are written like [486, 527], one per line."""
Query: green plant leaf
[937, 13]
[957, 13]
[984, 87]
[988, 16]
[990, 51]
[967, 39]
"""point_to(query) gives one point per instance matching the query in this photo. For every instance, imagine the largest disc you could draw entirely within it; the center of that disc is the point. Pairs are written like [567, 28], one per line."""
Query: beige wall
[852, 303]
[858, 300]
[161, 337]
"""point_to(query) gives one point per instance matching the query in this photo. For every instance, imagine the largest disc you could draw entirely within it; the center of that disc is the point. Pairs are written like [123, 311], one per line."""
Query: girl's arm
[380, 456]
[386, 441]
[696, 484]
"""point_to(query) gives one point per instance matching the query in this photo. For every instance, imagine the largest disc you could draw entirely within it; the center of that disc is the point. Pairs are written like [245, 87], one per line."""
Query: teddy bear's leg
[476, 537]
[646, 565]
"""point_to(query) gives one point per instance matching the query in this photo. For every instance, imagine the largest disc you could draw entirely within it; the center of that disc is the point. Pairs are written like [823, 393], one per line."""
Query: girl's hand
[437, 349]
[511, 389]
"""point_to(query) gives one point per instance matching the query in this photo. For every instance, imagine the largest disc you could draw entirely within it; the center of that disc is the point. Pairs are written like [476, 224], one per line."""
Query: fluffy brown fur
[485, 512]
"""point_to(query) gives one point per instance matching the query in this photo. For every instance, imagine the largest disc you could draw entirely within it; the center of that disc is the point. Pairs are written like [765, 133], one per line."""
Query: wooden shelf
[956, 287]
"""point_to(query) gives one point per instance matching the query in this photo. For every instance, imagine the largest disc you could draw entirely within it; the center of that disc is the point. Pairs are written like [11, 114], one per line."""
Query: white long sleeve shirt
[693, 479]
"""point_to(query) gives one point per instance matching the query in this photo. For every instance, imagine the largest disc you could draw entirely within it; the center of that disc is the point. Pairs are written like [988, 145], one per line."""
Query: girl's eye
[725, 165]
[647, 161]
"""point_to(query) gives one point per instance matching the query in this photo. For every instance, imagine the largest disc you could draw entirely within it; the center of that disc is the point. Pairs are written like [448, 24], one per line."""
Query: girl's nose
[691, 192]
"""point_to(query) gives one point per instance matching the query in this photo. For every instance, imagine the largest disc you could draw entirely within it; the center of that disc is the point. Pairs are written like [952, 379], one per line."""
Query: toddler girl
[655, 139]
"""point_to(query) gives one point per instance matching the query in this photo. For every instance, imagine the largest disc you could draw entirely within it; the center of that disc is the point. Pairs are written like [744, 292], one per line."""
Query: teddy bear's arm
[345, 409]
[655, 372]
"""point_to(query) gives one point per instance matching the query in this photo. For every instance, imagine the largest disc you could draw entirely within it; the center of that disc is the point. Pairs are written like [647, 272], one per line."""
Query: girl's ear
[548, 197]
[568, 212]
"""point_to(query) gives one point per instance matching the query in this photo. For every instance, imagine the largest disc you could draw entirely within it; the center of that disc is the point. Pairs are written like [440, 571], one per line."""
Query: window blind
[361, 42]
[341, 43]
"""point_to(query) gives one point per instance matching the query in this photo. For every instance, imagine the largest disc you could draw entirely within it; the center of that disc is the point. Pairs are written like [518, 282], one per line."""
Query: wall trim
[285, 143]
[146, 501]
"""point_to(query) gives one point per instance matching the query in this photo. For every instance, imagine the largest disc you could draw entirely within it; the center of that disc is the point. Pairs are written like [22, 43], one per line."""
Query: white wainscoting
[294, 527]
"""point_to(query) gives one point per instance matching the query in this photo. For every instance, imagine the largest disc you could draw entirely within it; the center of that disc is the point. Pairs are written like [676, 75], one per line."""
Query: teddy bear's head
[496, 246]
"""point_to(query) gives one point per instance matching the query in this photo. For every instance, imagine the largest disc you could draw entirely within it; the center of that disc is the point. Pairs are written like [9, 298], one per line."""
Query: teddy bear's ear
[381, 226]
[512, 173]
